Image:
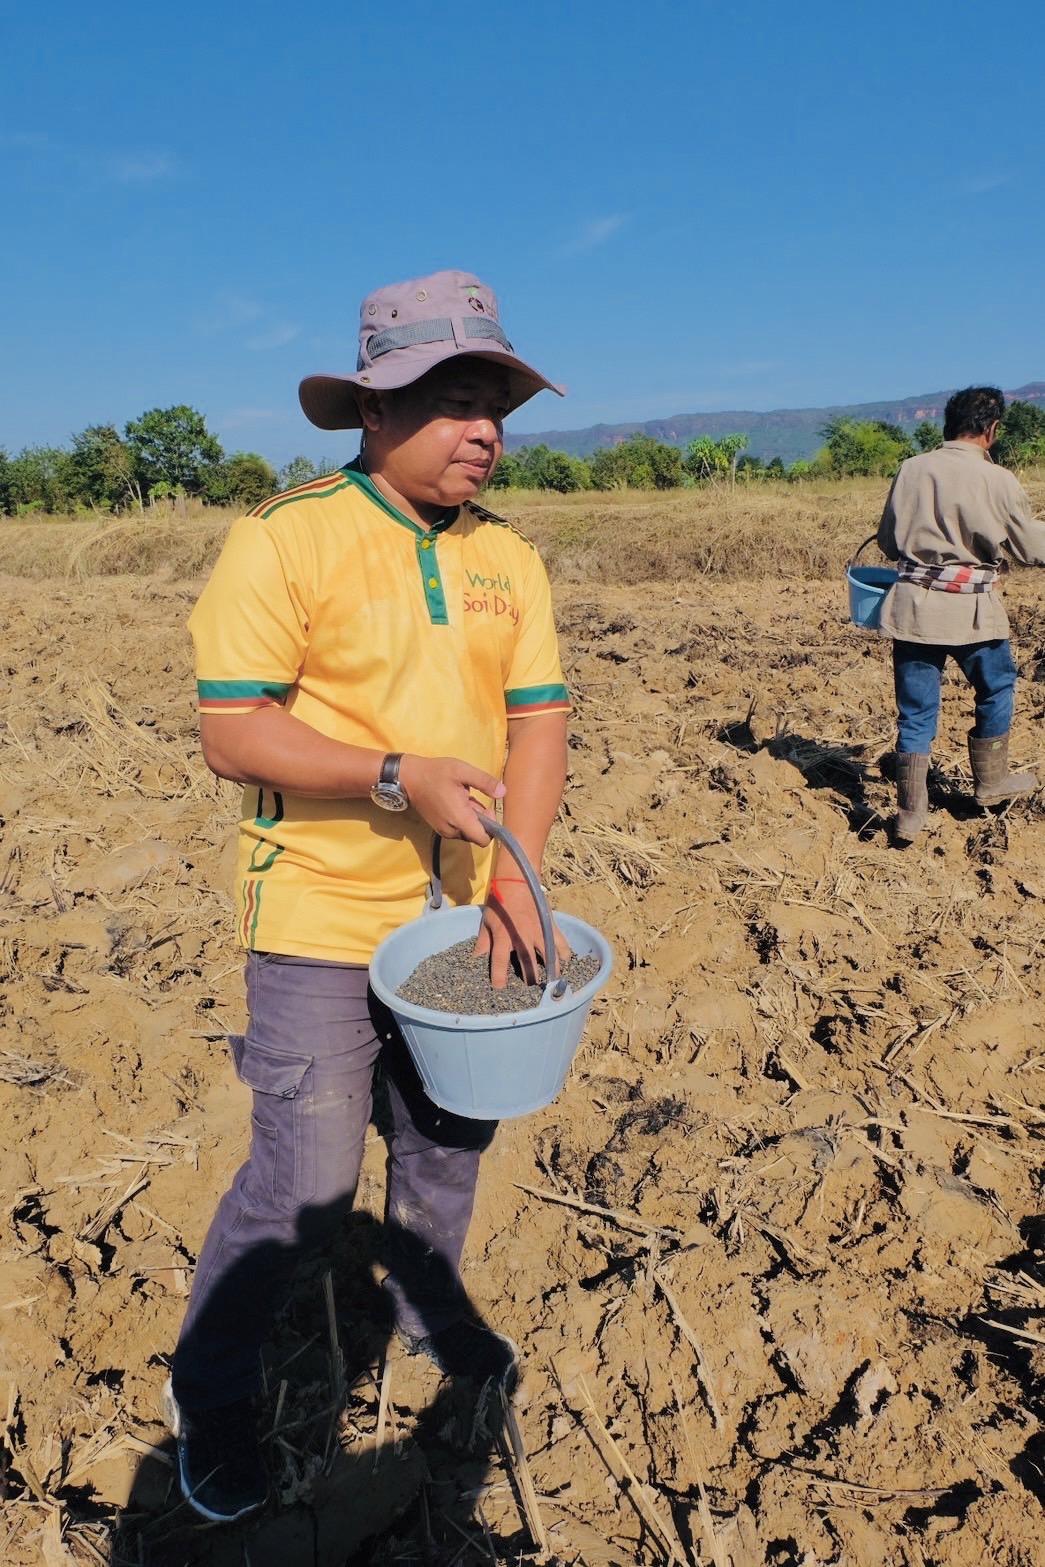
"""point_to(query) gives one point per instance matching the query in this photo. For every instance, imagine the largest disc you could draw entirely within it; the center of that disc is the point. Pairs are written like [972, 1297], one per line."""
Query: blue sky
[681, 206]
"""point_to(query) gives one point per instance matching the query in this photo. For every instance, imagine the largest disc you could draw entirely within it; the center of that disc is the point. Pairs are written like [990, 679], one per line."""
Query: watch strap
[390, 768]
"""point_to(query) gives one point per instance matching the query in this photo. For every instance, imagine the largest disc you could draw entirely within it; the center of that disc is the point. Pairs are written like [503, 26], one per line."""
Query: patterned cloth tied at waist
[951, 579]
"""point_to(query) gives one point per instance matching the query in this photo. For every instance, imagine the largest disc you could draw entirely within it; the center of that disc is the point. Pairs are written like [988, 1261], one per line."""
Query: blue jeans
[315, 1035]
[917, 670]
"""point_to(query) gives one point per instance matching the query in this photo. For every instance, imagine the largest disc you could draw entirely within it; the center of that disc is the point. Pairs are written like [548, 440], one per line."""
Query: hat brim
[330, 401]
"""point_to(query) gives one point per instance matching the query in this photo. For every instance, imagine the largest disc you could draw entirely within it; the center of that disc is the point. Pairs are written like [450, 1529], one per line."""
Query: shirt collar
[968, 448]
[359, 476]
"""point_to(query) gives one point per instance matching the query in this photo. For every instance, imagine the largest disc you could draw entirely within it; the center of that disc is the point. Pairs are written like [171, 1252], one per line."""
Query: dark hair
[972, 411]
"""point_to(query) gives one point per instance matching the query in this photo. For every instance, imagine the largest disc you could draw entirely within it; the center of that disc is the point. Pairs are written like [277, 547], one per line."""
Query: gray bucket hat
[405, 330]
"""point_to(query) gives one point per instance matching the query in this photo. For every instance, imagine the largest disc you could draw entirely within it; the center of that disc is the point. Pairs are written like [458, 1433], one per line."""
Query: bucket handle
[856, 555]
[556, 986]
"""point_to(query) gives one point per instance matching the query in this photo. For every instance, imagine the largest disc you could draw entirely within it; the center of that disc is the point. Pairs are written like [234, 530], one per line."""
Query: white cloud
[238, 309]
[229, 312]
[273, 337]
[131, 166]
[140, 168]
[980, 184]
[596, 232]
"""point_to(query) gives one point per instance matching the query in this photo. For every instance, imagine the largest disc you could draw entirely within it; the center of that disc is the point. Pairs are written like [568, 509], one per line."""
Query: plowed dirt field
[774, 1258]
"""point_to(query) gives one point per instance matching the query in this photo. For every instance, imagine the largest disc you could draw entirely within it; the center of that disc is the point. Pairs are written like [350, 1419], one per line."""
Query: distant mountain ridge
[785, 432]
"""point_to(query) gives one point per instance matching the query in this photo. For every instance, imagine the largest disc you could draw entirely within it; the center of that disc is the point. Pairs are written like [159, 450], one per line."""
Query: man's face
[439, 440]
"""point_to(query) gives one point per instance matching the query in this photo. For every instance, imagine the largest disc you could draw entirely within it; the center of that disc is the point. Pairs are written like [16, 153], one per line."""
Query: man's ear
[371, 410]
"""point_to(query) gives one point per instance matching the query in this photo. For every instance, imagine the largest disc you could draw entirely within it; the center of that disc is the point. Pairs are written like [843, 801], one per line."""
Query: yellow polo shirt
[329, 601]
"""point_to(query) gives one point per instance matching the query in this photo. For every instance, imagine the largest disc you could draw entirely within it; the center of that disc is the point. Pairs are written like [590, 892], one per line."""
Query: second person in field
[954, 521]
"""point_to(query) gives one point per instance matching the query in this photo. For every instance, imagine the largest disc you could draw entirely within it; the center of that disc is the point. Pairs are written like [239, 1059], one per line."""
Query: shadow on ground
[348, 1488]
[341, 1495]
[842, 769]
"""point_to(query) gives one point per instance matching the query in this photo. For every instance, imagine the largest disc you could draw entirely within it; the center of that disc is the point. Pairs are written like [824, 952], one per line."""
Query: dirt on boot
[912, 796]
[992, 780]
[456, 980]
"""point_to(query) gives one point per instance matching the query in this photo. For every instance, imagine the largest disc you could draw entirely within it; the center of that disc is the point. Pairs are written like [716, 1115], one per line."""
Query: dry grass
[176, 545]
[622, 536]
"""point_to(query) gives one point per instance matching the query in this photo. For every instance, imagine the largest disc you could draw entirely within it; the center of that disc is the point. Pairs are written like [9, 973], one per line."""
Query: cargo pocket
[283, 1123]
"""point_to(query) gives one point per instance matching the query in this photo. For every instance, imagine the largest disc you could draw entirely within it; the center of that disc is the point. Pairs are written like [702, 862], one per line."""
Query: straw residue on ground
[774, 1256]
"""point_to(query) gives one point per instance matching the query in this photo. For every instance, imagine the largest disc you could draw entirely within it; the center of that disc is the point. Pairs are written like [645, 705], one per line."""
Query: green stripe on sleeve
[535, 696]
[230, 690]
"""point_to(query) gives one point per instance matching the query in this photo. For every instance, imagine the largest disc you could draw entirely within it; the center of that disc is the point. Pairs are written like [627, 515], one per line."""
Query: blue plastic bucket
[868, 586]
[488, 1067]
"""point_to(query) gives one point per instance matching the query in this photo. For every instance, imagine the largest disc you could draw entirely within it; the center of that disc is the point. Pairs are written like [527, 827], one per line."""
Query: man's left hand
[511, 924]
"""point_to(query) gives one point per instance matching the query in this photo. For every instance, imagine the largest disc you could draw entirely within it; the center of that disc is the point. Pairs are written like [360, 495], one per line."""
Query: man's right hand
[439, 789]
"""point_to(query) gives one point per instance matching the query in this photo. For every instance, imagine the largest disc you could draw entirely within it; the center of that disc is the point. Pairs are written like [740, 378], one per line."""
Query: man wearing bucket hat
[370, 647]
[954, 521]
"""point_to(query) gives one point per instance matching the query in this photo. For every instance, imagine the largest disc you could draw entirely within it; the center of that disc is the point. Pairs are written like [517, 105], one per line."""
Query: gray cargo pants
[314, 1035]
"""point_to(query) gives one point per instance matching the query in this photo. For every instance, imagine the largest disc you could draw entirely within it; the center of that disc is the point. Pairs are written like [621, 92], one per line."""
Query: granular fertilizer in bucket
[457, 980]
[485, 1053]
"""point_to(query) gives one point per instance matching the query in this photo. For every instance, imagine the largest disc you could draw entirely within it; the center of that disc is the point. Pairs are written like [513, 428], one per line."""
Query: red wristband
[494, 894]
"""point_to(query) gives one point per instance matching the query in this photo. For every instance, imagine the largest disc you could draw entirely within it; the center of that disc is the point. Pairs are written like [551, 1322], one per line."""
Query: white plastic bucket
[488, 1067]
[868, 586]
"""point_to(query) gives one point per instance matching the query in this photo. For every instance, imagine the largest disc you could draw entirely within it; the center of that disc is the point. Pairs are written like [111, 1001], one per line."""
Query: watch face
[390, 797]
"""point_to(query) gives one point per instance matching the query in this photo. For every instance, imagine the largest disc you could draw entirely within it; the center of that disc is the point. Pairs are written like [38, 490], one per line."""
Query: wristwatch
[388, 792]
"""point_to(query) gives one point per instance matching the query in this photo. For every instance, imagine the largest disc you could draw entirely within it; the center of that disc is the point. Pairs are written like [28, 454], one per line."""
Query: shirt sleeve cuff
[240, 696]
[524, 701]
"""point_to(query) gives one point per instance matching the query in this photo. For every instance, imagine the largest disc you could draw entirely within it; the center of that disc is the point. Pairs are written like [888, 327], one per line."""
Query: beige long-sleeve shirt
[954, 507]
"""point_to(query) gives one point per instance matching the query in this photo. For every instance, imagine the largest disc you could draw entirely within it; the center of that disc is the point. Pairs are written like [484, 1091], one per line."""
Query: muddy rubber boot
[912, 795]
[989, 760]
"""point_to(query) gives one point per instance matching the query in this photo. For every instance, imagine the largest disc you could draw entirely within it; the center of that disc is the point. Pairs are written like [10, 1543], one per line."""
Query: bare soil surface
[775, 1258]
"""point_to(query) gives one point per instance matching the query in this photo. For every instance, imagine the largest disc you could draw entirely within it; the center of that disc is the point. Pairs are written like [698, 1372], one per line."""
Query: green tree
[731, 447]
[538, 467]
[897, 433]
[1022, 436]
[5, 482]
[640, 463]
[172, 447]
[41, 478]
[565, 474]
[242, 480]
[704, 460]
[775, 468]
[509, 474]
[299, 470]
[711, 460]
[864, 447]
[608, 469]
[541, 468]
[104, 468]
[928, 436]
